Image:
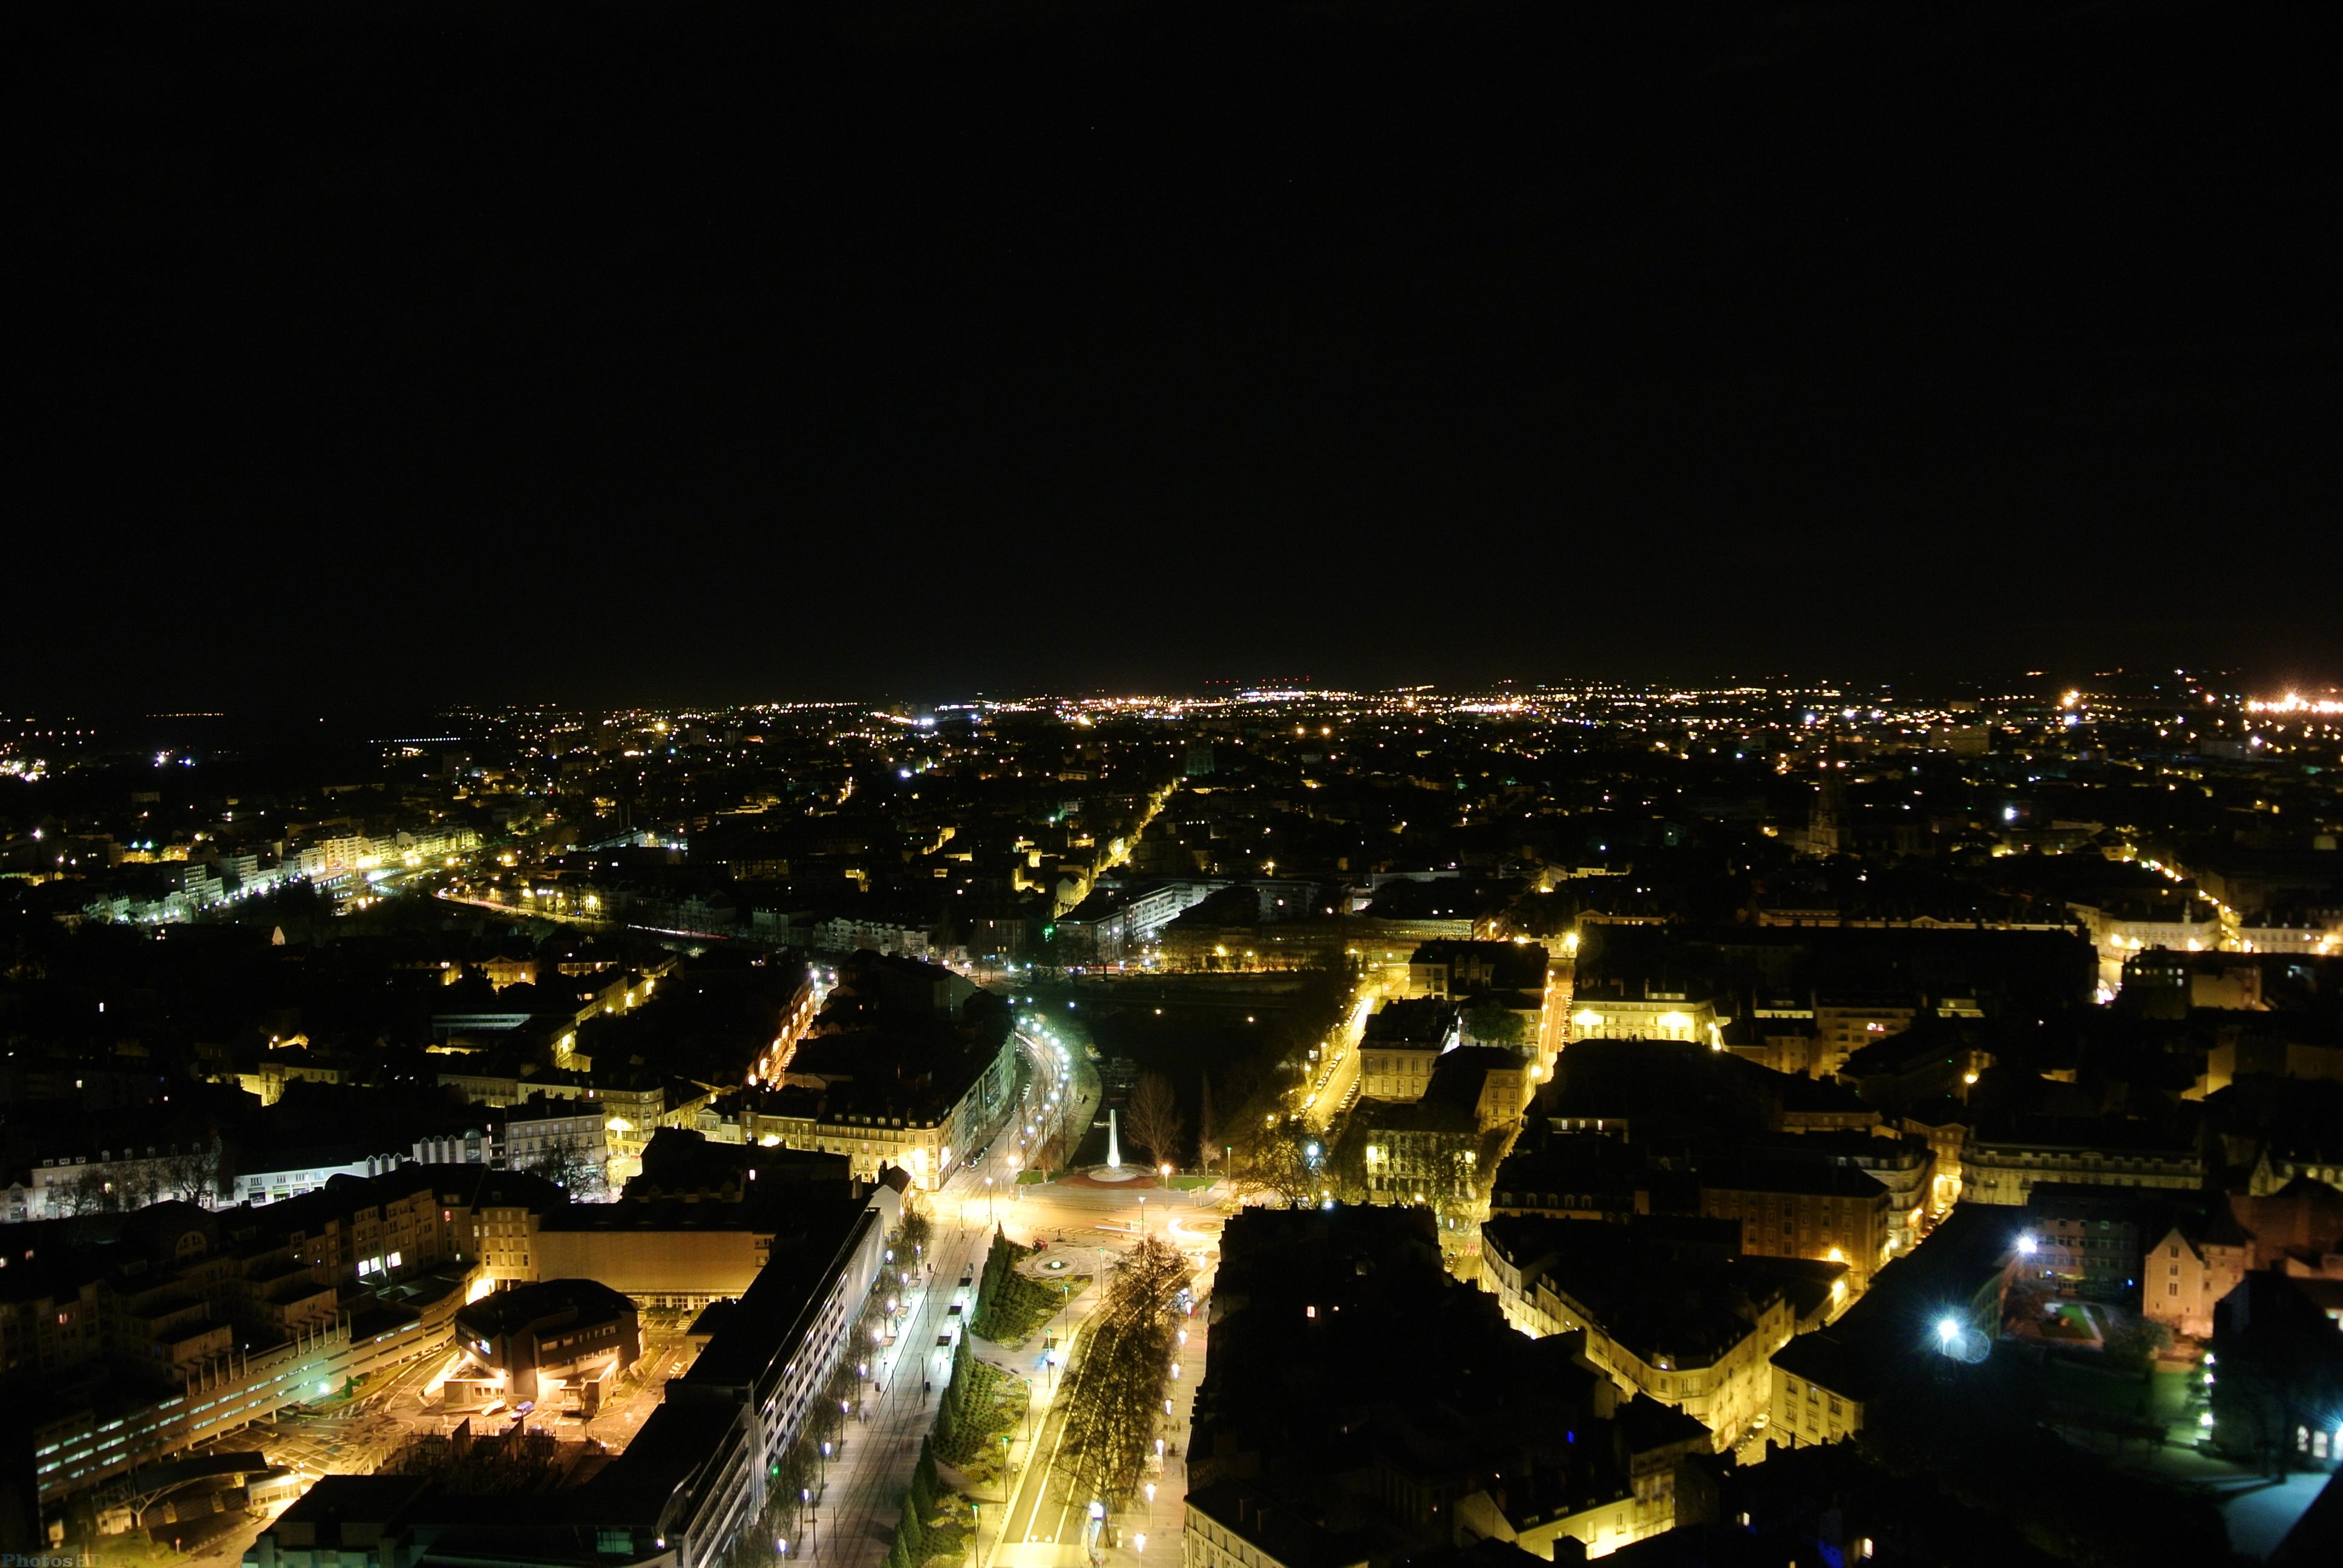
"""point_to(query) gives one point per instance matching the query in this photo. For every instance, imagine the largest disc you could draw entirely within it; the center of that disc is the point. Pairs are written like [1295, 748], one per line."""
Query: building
[1232, 1525]
[2003, 1165]
[845, 1098]
[1614, 1014]
[2207, 1249]
[697, 1469]
[1117, 924]
[566, 1140]
[1424, 1153]
[1492, 1081]
[1456, 969]
[671, 1253]
[692, 1480]
[290, 1173]
[1565, 1510]
[1847, 1022]
[1827, 1213]
[2274, 1375]
[2088, 1241]
[1588, 1175]
[492, 1217]
[1947, 1299]
[558, 1344]
[2121, 926]
[1668, 1309]
[1400, 1043]
[1547, 1455]
[104, 1177]
[196, 1324]
[1905, 1165]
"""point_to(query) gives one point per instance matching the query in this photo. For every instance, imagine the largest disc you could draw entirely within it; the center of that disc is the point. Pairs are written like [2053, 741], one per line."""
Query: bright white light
[2027, 1245]
[1949, 1329]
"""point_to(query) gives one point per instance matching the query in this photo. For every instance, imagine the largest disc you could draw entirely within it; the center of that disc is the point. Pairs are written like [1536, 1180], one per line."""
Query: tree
[1274, 1162]
[138, 1184]
[1490, 1022]
[90, 1191]
[952, 1417]
[192, 1174]
[1208, 1130]
[2138, 1343]
[924, 1480]
[1115, 1396]
[1155, 1121]
[913, 1236]
[911, 1530]
[568, 1163]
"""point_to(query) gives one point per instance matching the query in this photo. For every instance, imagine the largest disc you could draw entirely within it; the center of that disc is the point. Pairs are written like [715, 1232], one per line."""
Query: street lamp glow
[2027, 1245]
[1947, 1330]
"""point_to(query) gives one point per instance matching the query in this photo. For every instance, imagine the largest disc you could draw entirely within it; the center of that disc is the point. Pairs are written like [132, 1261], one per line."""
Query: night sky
[398, 352]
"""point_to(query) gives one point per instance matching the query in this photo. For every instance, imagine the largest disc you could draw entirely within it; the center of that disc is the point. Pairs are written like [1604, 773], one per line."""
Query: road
[1044, 1523]
[1334, 1078]
[1023, 1518]
[862, 1491]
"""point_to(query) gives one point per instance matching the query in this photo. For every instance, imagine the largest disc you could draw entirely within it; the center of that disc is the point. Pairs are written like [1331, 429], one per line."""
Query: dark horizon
[402, 356]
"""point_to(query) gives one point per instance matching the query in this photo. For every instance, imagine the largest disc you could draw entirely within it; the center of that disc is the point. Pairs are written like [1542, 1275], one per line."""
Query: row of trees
[1009, 1305]
[192, 1175]
[796, 1475]
[1115, 1398]
[977, 1407]
[930, 1525]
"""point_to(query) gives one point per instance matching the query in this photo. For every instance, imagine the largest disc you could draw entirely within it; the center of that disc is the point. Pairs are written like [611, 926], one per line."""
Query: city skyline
[999, 1126]
[1172, 784]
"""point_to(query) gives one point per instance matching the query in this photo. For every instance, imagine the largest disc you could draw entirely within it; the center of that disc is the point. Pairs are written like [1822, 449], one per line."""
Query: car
[524, 1407]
